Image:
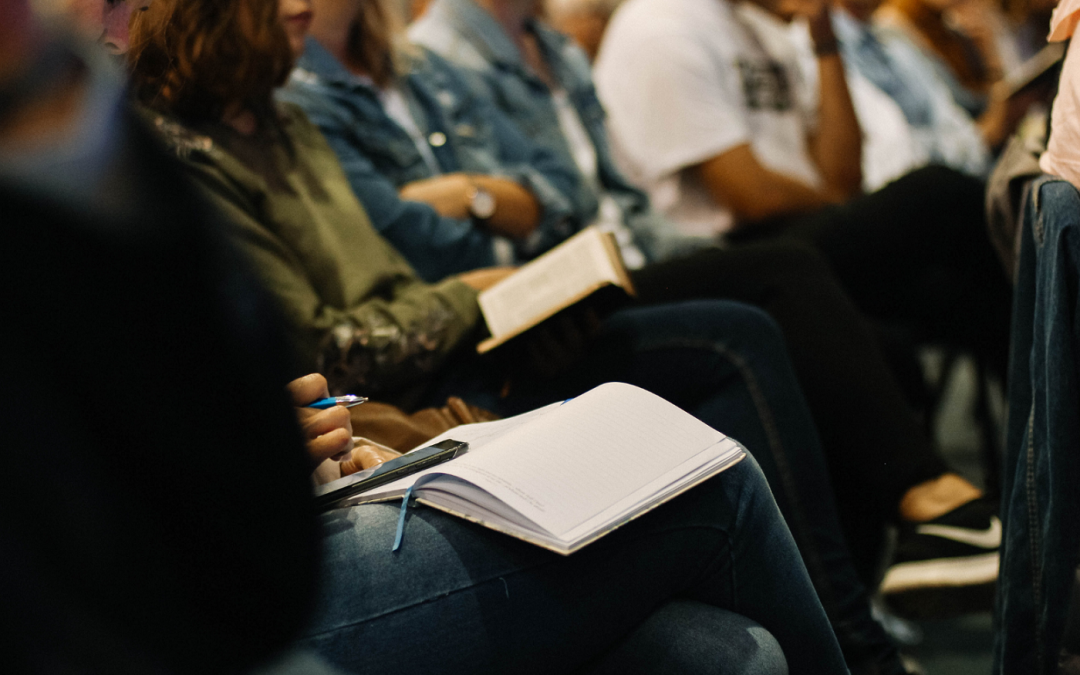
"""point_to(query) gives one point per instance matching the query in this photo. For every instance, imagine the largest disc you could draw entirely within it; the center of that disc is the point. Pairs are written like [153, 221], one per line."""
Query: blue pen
[348, 401]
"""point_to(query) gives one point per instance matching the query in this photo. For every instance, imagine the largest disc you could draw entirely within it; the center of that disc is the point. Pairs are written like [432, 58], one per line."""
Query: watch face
[482, 204]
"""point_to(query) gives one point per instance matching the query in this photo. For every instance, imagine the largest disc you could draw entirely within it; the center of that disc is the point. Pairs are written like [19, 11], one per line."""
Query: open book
[573, 270]
[567, 474]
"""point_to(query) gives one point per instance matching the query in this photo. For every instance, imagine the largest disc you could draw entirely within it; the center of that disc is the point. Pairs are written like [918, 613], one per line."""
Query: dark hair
[195, 58]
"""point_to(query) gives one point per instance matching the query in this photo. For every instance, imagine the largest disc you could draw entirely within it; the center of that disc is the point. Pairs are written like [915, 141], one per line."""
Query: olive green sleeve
[385, 343]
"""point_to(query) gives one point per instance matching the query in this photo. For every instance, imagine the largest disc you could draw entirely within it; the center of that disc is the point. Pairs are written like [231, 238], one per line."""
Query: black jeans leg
[874, 446]
[916, 252]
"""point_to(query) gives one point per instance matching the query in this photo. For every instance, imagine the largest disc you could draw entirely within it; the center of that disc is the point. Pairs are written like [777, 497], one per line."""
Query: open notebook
[567, 474]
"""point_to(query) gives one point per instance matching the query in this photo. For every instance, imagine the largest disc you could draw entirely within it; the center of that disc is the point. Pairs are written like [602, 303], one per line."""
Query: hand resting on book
[365, 457]
[486, 277]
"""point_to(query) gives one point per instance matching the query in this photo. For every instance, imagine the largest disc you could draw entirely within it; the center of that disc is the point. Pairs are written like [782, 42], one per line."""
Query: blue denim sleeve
[513, 154]
[435, 246]
[545, 175]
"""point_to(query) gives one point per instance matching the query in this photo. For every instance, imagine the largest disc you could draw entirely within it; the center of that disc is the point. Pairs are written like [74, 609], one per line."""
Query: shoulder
[185, 142]
[299, 129]
[661, 33]
[443, 39]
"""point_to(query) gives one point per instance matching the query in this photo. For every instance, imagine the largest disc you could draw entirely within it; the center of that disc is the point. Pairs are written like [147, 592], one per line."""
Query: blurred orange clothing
[1062, 156]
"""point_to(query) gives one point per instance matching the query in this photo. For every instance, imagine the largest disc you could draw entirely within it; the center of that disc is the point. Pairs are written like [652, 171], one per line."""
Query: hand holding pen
[326, 425]
[347, 401]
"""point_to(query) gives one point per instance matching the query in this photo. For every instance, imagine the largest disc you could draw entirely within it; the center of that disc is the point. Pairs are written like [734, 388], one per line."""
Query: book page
[569, 465]
[553, 281]
[477, 435]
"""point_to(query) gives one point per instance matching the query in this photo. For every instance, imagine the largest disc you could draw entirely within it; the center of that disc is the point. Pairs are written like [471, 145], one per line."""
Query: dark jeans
[1041, 477]
[874, 445]
[458, 598]
[914, 253]
[726, 363]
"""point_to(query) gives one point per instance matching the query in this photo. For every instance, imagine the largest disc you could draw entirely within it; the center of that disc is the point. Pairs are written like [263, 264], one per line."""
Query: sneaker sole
[969, 571]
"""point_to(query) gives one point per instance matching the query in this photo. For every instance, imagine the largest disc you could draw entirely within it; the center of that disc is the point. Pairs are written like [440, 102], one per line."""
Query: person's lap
[724, 362]
[459, 598]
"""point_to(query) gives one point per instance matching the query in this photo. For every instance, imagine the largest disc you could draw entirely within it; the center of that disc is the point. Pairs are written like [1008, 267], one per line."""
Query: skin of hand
[445, 194]
[328, 433]
[365, 457]
[517, 212]
[483, 279]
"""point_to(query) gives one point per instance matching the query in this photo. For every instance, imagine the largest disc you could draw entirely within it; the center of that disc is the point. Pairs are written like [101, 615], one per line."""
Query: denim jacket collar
[317, 62]
[487, 36]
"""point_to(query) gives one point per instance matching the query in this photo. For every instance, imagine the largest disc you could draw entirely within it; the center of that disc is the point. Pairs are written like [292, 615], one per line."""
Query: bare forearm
[516, 210]
[754, 193]
[837, 147]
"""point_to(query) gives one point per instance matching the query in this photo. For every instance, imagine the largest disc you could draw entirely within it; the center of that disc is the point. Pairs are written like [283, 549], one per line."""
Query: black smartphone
[327, 496]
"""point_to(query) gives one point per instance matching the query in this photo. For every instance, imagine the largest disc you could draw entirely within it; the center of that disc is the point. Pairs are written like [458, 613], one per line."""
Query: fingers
[318, 422]
[365, 457]
[328, 432]
[308, 388]
[330, 445]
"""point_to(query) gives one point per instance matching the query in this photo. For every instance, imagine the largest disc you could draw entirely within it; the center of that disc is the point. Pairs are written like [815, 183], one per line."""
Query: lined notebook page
[567, 466]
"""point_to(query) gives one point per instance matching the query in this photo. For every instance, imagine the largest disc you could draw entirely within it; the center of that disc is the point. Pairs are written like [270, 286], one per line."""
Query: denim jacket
[1040, 499]
[466, 135]
[471, 38]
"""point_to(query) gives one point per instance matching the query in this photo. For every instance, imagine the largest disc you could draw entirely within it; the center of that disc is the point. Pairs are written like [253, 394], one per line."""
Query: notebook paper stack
[567, 474]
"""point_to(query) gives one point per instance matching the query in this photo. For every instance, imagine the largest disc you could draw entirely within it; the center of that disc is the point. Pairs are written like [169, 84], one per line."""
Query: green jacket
[358, 311]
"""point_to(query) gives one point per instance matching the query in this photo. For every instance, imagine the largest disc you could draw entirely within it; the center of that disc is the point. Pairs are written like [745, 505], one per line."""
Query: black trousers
[875, 446]
[915, 254]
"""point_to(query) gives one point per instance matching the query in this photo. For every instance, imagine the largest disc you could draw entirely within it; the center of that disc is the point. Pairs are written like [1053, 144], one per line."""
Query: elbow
[751, 208]
[847, 186]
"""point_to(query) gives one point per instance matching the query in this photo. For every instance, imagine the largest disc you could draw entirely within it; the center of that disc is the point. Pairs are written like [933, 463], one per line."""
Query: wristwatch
[481, 202]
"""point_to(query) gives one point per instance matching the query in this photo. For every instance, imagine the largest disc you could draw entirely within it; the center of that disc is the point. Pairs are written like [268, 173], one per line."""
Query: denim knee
[705, 322]
[693, 638]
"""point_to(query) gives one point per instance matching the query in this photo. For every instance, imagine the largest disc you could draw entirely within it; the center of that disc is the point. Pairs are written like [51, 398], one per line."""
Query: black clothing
[157, 516]
[875, 447]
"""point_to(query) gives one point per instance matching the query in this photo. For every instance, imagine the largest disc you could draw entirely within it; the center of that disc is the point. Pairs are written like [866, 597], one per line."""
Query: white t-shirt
[686, 80]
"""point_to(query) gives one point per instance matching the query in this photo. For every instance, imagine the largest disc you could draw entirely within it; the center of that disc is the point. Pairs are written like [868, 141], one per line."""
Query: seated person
[352, 300]
[943, 131]
[969, 63]
[907, 121]
[520, 78]
[514, 187]
[913, 254]
[798, 292]
[157, 536]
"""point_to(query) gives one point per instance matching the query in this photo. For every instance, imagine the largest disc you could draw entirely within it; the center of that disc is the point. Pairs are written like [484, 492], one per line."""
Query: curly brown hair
[196, 58]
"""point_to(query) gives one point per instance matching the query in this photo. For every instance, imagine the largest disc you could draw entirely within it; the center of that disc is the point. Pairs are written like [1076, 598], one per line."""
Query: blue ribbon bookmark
[401, 519]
